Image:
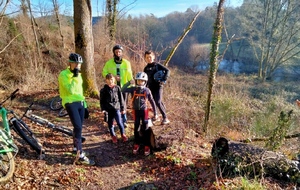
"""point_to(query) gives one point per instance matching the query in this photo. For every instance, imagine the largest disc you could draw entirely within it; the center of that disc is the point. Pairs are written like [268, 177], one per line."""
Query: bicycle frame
[5, 134]
[44, 122]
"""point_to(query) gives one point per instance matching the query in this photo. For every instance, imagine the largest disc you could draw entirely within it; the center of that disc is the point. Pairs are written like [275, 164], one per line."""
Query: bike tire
[25, 133]
[7, 165]
[67, 131]
[62, 112]
[56, 103]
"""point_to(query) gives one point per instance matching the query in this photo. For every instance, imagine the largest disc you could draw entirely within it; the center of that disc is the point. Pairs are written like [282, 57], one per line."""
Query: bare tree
[273, 31]
[199, 55]
[56, 13]
[84, 44]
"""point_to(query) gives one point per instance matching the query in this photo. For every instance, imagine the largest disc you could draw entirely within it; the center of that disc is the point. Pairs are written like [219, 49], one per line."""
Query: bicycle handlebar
[12, 96]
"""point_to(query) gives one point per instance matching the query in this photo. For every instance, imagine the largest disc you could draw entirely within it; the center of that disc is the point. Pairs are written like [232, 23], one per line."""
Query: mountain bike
[44, 122]
[21, 128]
[8, 149]
[56, 104]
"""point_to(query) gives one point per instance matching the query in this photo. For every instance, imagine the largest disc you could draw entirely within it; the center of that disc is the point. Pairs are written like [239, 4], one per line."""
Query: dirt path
[185, 165]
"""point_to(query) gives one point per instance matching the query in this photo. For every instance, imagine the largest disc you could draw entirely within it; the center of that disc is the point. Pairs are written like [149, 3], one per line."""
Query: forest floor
[184, 165]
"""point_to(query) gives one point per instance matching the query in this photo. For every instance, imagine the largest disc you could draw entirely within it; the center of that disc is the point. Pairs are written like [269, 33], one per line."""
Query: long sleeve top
[140, 97]
[70, 88]
[111, 98]
[125, 70]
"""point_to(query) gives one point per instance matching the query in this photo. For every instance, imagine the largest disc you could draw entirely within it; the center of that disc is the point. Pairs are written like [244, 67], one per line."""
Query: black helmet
[159, 76]
[74, 57]
[117, 47]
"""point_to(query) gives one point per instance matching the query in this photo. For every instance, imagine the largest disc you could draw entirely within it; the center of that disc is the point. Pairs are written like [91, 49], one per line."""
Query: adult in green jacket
[73, 100]
[121, 70]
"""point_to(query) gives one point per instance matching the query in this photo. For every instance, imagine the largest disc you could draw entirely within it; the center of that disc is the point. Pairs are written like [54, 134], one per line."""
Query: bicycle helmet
[74, 57]
[159, 76]
[141, 76]
[117, 47]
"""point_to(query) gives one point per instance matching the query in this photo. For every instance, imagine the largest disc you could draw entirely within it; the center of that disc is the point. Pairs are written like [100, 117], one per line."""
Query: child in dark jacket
[140, 96]
[111, 102]
[157, 76]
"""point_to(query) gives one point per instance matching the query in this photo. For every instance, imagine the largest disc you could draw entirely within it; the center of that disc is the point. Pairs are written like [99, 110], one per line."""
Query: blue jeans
[76, 115]
[114, 114]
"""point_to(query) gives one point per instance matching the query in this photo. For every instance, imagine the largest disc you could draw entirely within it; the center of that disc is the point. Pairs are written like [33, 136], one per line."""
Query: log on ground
[236, 158]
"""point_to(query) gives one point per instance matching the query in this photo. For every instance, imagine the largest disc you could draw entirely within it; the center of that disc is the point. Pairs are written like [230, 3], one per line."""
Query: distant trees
[272, 28]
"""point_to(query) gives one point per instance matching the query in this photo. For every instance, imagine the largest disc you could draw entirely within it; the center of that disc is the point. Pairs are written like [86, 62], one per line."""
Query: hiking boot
[114, 139]
[165, 121]
[124, 138]
[136, 148]
[147, 151]
[85, 161]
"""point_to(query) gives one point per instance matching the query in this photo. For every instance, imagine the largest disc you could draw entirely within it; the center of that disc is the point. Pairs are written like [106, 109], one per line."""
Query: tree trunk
[56, 12]
[236, 158]
[213, 65]
[186, 31]
[84, 44]
[111, 14]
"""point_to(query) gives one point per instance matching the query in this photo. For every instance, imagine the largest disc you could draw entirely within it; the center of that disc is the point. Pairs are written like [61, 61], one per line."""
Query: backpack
[137, 98]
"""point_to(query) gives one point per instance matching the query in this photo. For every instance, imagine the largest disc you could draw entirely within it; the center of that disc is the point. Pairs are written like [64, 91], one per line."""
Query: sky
[161, 8]
[158, 8]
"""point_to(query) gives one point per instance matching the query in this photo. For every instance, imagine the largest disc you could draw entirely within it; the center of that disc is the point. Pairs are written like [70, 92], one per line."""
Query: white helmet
[141, 76]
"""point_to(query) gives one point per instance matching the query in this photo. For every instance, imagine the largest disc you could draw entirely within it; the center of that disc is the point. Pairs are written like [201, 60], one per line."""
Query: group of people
[146, 86]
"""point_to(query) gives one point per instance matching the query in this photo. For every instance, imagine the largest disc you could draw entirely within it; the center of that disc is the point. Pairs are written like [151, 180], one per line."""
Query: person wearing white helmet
[140, 96]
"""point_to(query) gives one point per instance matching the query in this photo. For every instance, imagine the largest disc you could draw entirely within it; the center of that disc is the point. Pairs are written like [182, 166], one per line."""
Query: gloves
[75, 71]
[86, 113]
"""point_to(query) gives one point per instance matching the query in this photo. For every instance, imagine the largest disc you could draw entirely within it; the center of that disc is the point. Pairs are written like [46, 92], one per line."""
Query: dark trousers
[114, 114]
[141, 136]
[157, 94]
[76, 115]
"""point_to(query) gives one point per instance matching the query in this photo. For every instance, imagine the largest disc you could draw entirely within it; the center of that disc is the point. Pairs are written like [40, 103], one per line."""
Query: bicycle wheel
[23, 130]
[55, 103]
[62, 112]
[7, 164]
[67, 131]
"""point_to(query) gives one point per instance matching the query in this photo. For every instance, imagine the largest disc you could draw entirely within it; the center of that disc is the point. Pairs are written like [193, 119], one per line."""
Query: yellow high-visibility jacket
[70, 88]
[125, 70]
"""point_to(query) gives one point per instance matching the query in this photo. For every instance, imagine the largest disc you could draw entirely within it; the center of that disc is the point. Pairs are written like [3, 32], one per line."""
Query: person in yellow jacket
[73, 100]
[121, 70]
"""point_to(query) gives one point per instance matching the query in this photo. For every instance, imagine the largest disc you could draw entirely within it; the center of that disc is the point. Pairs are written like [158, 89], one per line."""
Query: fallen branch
[267, 138]
[236, 159]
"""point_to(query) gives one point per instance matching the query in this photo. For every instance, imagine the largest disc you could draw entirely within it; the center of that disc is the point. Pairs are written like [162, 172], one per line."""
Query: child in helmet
[111, 102]
[157, 76]
[140, 95]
